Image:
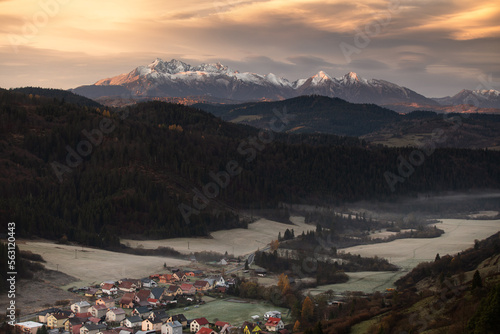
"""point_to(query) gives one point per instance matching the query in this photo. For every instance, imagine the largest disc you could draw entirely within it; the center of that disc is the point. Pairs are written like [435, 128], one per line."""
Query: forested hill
[128, 171]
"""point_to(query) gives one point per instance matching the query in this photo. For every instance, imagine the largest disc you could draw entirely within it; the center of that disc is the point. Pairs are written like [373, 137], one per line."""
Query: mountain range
[175, 78]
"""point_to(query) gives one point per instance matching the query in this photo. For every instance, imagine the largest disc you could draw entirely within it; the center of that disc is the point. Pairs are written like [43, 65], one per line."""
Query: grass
[232, 310]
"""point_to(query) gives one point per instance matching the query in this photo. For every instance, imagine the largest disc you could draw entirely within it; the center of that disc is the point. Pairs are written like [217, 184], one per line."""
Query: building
[272, 314]
[196, 324]
[133, 321]
[115, 315]
[171, 328]
[106, 301]
[92, 328]
[28, 327]
[80, 307]
[152, 325]
[205, 330]
[274, 324]
[98, 311]
[56, 320]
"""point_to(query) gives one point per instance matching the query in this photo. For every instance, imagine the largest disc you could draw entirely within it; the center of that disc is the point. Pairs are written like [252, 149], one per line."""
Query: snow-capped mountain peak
[320, 77]
[351, 78]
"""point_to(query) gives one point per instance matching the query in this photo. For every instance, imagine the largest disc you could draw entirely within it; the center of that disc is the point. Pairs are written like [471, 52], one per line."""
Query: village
[159, 303]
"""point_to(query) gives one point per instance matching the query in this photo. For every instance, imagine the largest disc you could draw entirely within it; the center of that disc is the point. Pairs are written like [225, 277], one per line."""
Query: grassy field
[91, 265]
[232, 310]
[236, 241]
[407, 253]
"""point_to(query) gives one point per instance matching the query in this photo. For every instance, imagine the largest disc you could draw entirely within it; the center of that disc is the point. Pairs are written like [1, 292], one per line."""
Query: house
[156, 293]
[221, 289]
[153, 302]
[133, 321]
[83, 316]
[106, 301]
[127, 300]
[220, 324]
[72, 322]
[196, 324]
[115, 315]
[228, 329]
[160, 314]
[152, 325]
[205, 330]
[142, 295]
[201, 285]
[92, 328]
[28, 327]
[272, 314]
[142, 311]
[274, 324]
[109, 289]
[127, 286]
[92, 292]
[80, 307]
[173, 290]
[98, 310]
[180, 318]
[56, 320]
[222, 262]
[171, 328]
[179, 276]
[188, 289]
[94, 320]
[250, 328]
[166, 278]
[218, 281]
[42, 315]
[76, 329]
[148, 283]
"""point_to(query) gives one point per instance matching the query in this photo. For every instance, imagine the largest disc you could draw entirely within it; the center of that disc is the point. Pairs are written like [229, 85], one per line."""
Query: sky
[435, 47]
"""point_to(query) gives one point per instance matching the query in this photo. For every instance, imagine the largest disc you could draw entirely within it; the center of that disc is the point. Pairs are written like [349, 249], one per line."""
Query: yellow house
[251, 328]
[56, 320]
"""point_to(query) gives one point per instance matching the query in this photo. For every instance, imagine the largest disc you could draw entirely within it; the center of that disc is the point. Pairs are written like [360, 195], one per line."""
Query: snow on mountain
[178, 79]
[486, 98]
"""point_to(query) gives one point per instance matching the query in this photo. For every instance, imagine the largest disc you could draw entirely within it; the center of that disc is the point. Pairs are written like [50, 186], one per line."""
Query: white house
[115, 315]
[80, 307]
[196, 324]
[272, 314]
[133, 321]
[148, 283]
[171, 328]
[274, 324]
[109, 289]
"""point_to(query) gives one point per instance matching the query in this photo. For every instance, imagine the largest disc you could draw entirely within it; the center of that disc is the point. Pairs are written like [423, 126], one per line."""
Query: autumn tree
[274, 245]
[284, 283]
[307, 309]
[296, 326]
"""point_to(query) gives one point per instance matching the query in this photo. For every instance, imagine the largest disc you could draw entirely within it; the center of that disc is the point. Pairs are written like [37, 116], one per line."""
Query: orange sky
[433, 47]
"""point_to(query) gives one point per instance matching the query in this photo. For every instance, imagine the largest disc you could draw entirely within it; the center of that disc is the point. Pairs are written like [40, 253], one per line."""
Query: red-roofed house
[274, 324]
[221, 324]
[188, 289]
[173, 290]
[201, 285]
[84, 316]
[142, 295]
[166, 278]
[196, 324]
[127, 286]
[109, 289]
[205, 330]
[76, 329]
